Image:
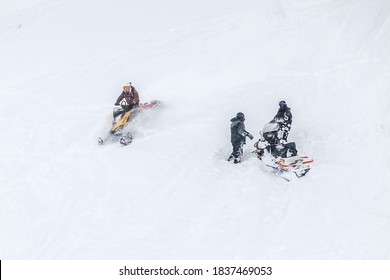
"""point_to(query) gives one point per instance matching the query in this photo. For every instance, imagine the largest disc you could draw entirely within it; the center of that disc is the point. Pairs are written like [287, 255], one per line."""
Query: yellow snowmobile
[122, 115]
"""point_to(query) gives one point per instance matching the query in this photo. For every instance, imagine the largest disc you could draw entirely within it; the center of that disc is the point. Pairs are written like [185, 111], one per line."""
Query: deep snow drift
[171, 194]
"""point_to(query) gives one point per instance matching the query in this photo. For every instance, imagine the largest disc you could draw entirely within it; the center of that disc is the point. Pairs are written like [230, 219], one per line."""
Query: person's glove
[250, 136]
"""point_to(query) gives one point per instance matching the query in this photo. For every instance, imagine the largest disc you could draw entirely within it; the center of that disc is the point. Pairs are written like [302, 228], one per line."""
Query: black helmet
[240, 116]
[282, 104]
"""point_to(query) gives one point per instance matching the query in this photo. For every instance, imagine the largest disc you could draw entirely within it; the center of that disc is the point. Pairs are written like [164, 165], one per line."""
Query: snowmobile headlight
[261, 145]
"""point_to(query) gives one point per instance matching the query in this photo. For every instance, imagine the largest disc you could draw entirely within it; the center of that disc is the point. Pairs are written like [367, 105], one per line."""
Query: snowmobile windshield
[117, 111]
[270, 127]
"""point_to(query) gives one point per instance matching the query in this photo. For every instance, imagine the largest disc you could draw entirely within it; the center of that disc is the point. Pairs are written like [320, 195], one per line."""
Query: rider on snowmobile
[284, 118]
[238, 136]
[130, 94]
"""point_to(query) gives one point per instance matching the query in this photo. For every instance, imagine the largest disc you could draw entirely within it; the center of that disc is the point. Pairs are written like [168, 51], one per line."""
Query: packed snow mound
[171, 194]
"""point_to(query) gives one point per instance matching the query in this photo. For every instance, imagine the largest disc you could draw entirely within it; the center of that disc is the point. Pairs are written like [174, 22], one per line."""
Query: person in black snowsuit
[284, 118]
[238, 137]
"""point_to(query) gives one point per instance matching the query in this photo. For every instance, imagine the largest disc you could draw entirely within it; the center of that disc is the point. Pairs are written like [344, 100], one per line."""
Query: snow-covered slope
[171, 194]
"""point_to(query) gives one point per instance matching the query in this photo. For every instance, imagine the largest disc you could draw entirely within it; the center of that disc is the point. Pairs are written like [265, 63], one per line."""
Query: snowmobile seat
[289, 150]
[284, 151]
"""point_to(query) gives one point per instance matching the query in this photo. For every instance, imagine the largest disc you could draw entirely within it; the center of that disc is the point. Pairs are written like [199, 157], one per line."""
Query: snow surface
[171, 194]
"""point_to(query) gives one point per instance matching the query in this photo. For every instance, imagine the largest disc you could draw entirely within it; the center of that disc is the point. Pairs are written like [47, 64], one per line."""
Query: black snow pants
[237, 151]
[285, 131]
